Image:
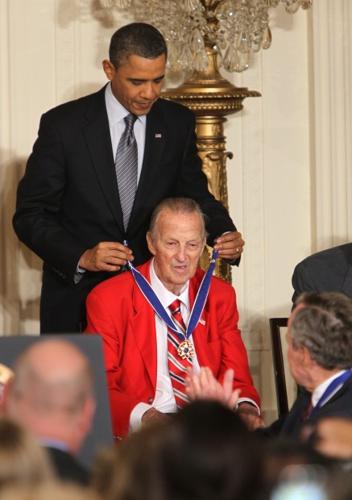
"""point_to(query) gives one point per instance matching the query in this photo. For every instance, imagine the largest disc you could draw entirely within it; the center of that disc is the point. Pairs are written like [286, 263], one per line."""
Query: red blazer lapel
[142, 326]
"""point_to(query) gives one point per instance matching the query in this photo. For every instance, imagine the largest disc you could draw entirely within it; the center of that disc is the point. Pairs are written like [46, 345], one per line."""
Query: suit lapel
[97, 134]
[143, 327]
[154, 145]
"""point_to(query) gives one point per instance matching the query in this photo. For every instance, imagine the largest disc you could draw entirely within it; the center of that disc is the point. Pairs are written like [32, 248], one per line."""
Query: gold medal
[185, 350]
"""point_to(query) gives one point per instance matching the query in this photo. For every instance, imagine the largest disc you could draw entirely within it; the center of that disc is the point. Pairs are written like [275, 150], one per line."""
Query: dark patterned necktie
[177, 365]
[126, 164]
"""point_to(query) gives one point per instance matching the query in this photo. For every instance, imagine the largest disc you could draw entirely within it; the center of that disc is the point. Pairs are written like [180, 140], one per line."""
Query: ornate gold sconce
[211, 98]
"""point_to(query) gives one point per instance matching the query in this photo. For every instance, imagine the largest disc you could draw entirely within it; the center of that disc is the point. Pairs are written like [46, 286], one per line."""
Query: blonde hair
[52, 489]
[22, 459]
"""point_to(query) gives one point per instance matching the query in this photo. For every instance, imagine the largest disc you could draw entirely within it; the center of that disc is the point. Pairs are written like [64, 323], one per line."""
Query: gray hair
[139, 39]
[176, 205]
[324, 327]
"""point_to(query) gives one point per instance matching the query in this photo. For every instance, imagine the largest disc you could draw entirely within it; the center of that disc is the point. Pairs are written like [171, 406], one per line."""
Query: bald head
[52, 392]
[53, 375]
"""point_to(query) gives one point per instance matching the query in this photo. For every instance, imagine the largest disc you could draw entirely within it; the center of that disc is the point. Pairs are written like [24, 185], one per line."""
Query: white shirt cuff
[248, 400]
[78, 274]
[137, 414]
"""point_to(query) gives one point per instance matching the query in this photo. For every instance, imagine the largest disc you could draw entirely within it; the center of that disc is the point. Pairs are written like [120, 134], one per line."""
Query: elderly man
[51, 395]
[320, 359]
[142, 319]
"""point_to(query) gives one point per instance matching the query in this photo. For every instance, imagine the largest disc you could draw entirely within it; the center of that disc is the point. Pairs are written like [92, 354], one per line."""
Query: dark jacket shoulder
[67, 467]
[82, 105]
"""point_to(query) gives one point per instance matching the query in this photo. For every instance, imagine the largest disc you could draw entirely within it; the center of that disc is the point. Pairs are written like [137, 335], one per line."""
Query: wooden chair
[283, 379]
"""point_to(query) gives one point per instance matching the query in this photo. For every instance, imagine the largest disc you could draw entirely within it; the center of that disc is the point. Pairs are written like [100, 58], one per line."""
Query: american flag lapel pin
[158, 135]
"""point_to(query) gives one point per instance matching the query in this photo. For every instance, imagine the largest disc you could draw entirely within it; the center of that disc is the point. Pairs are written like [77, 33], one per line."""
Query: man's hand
[153, 416]
[249, 415]
[230, 245]
[205, 386]
[105, 256]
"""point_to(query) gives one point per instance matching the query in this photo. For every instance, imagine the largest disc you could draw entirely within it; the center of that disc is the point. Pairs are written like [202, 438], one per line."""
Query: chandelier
[234, 28]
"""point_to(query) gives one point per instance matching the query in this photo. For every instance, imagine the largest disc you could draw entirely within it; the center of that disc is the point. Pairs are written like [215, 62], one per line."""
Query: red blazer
[117, 310]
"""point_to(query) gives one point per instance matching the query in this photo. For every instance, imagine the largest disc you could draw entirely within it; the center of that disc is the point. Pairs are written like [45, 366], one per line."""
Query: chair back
[286, 389]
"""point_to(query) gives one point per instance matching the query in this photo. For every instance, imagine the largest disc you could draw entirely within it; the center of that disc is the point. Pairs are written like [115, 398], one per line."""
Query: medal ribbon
[159, 309]
[340, 380]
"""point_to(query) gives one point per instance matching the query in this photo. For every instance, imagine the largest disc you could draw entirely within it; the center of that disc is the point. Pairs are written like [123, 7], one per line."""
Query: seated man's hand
[153, 416]
[204, 385]
[249, 415]
[230, 245]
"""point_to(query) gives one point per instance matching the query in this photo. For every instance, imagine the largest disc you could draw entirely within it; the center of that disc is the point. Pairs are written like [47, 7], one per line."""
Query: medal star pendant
[185, 350]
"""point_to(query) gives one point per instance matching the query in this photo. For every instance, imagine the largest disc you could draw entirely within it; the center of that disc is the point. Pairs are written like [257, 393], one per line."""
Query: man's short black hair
[139, 39]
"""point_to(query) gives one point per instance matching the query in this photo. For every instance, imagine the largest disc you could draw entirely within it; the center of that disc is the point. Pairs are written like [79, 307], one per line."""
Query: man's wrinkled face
[177, 244]
[137, 82]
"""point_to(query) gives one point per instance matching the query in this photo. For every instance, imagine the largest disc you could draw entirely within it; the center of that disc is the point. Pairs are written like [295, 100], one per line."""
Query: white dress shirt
[321, 388]
[164, 399]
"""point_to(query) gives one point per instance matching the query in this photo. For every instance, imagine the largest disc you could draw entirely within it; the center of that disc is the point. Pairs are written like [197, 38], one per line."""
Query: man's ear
[150, 243]
[109, 69]
[307, 360]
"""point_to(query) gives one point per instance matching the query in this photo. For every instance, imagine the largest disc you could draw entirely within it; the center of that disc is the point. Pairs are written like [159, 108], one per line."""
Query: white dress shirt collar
[321, 388]
[117, 112]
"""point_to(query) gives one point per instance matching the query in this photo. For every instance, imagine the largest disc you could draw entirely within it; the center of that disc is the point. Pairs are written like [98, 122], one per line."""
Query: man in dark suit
[51, 395]
[326, 271]
[320, 358]
[72, 207]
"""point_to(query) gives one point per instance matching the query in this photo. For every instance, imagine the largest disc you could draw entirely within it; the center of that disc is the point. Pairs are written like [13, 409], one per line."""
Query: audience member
[283, 453]
[78, 200]
[320, 359]
[333, 437]
[326, 271]
[103, 471]
[22, 460]
[49, 491]
[51, 395]
[204, 452]
[146, 361]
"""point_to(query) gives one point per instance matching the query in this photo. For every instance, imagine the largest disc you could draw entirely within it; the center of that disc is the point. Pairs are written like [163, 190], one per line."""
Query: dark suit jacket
[326, 271]
[340, 405]
[68, 199]
[67, 468]
[126, 323]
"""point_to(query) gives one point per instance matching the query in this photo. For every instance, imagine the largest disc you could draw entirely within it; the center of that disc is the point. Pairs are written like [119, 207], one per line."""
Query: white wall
[289, 181]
